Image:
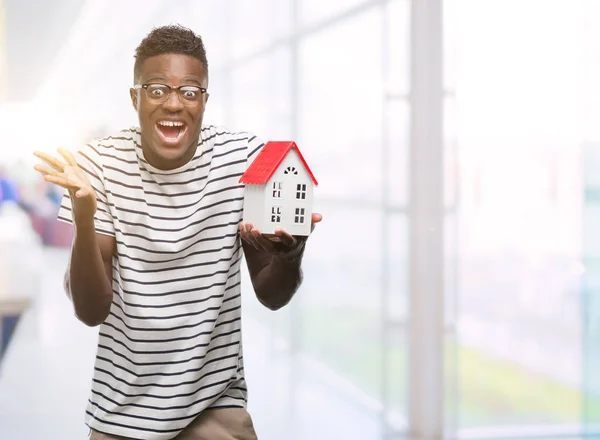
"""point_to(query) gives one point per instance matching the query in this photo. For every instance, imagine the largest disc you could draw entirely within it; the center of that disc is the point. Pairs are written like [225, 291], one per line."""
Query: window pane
[316, 10]
[397, 267]
[254, 25]
[343, 324]
[450, 152]
[341, 107]
[519, 224]
[590, 71]
[398, 120]
[261, 100]
[591, 286]
[395, 384]
[395, 356]
[398, 46]
[451, 28]
[341, 297]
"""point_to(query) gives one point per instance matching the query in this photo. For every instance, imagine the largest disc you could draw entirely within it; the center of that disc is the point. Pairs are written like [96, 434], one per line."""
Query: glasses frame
[171, 89]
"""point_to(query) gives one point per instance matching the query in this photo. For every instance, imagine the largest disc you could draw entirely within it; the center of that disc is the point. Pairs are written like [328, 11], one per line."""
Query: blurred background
[452, 288]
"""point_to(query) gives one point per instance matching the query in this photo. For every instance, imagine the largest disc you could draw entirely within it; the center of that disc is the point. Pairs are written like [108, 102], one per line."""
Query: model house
[279, 190]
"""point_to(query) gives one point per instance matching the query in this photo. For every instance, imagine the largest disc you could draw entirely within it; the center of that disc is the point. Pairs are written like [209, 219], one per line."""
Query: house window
[277, 189]
[301, 191]
[291, 170]
[276, 214]
[299, 217]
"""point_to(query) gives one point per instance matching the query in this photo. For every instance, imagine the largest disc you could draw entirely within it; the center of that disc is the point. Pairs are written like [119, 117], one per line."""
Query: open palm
[67, 174]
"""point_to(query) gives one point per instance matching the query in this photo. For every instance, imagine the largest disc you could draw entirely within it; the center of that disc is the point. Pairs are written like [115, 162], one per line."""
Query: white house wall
[254, 206]
[288, 202]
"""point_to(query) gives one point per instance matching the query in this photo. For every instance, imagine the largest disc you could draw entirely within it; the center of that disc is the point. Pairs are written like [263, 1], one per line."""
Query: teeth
[171, 123]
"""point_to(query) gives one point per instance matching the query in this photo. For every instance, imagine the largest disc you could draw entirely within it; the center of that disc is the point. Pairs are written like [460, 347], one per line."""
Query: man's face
[171, 129]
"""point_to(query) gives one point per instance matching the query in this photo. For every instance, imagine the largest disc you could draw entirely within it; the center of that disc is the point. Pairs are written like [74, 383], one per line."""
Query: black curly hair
[174, 39]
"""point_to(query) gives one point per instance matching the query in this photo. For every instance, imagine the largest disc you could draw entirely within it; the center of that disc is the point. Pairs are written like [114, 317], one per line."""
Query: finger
[274, 239]
[285, 237]
[57, 164]
[252, 241]
[247, 236]
[62, 181]
[68, 157]
[83, 192]
[255, 236]
[45, 170]
[260, 241]
[245, 229]
[316, 217]
[243, 232]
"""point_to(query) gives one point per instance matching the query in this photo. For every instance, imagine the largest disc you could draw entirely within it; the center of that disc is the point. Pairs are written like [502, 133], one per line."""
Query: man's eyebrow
[156, 78]
[194, 80]
[187, 79]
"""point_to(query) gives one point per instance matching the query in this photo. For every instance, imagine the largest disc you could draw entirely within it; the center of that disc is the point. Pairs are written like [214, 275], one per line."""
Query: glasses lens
[190, 94]
[157, 92]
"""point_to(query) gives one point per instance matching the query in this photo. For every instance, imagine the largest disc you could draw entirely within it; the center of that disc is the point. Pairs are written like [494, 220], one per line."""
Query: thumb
[81, 193]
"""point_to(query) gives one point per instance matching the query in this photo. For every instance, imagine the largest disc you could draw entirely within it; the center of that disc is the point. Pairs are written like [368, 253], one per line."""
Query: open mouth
[171, 132]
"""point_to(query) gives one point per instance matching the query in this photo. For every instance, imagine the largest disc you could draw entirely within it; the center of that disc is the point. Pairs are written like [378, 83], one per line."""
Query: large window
[591, 213]
[517, 278]
[518, 351]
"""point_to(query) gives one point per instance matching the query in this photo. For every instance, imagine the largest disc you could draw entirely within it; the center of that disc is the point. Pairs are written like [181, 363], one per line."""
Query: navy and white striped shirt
[171, 346]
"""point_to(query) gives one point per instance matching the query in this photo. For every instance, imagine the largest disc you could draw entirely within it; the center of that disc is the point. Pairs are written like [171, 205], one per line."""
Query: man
[156, 255]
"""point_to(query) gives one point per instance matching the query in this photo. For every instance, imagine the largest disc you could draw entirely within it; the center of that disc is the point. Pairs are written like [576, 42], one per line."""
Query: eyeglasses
[159, 93]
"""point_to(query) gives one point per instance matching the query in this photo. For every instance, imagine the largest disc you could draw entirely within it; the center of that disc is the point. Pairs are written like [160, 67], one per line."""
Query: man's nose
[173, 102]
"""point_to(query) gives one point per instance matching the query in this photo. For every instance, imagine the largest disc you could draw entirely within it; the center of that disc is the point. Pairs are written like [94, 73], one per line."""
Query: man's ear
[134, 98]
[206, 96]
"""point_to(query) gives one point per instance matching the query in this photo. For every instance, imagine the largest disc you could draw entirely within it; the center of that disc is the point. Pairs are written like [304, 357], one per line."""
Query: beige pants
[212, 424]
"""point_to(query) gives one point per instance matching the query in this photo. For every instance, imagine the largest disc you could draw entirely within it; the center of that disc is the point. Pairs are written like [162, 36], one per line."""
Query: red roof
[267, 161]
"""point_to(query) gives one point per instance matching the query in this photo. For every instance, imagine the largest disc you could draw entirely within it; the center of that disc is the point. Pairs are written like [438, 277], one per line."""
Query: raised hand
[67, 174]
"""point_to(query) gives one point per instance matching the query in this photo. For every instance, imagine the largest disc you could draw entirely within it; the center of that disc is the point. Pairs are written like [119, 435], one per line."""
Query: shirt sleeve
[255, 145]
[90, 161]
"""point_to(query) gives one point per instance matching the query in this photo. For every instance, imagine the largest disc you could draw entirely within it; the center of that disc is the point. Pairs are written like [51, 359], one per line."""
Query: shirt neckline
[137, 137]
